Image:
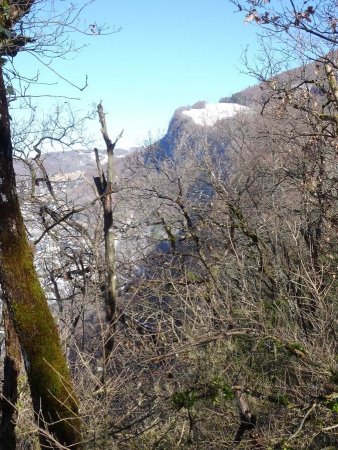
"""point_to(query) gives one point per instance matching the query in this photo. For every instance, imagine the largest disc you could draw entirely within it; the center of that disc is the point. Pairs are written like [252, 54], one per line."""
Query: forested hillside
[193, 282]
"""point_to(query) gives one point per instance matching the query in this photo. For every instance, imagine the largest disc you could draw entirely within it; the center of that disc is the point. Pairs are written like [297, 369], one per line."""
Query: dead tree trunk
[55, 404]
[248, 419]
[104, 185]
[12, 363]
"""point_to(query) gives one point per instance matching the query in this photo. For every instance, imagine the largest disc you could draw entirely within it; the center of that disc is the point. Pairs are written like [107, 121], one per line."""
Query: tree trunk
[55, 404]
[105, 189]
[12, 363]
[248, 419]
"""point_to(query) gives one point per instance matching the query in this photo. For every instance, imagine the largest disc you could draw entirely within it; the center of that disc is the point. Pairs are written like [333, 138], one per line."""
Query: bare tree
[54, 400]
[105, 188]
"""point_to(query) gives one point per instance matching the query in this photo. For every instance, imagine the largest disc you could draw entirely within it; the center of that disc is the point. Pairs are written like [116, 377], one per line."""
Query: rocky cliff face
[190, 124]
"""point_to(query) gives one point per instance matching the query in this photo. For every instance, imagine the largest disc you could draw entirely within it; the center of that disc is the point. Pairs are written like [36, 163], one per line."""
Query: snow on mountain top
[214, 111]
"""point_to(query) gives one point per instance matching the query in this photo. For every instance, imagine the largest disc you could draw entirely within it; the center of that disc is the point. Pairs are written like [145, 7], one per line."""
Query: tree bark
[55, 404]
[248, 419]
[12, 363]
[104, 187]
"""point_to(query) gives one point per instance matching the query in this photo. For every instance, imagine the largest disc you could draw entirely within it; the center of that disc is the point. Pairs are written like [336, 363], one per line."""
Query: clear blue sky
[169, 53]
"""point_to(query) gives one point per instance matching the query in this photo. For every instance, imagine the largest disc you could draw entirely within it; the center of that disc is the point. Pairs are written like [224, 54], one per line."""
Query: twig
[299, 429]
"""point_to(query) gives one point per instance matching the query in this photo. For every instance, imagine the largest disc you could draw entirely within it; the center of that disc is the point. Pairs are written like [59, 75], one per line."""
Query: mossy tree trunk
[55, 404]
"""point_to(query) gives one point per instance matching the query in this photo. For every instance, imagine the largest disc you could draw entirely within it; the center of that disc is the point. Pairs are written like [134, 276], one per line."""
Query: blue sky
[169, 53]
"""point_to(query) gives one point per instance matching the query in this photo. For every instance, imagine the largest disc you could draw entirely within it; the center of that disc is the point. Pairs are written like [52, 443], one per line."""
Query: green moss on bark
[52, 393]
[53, 397]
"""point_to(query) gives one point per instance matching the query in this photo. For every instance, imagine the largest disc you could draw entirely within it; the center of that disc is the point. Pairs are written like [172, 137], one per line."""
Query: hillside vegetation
[220, 245]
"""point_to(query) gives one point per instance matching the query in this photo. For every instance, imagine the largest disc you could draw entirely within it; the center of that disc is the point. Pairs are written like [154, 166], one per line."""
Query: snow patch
[213, 112]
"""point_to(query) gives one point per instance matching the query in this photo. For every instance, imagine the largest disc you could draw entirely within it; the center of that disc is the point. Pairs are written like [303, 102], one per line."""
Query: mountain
[191, 122]
[188, 124]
